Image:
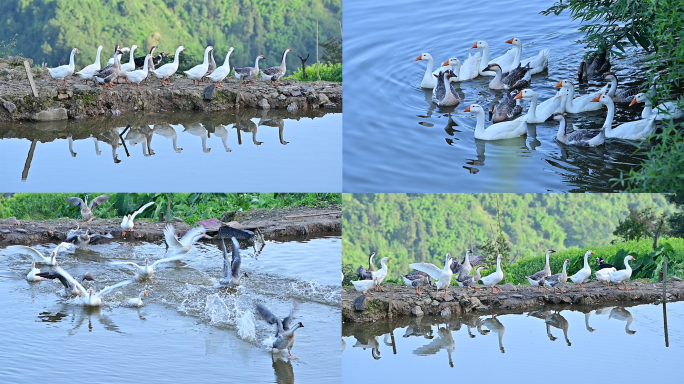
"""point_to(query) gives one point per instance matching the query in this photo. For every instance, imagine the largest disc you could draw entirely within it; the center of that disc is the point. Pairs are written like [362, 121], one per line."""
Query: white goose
[32, 276]
[130, 66]
[540, 113]
[88, 72]
[147, 271]
[123, 50]
[505, 61]
[181, 246]
[495, 278]
[167, 70]
[127, 222]
[364, 286]
[583, 274]
[197, 72]
[37, 256]
[64, 71]
[582, 103]
[453, 64]
[221, 72]
[666, 110]
[498, 131]
[137, 302]
[428, 79]
[442, 277]
[604, 271]
[380, 275]
[622, 275]
[537, 63]
[136, 76]
[633, 130]
[94, 299]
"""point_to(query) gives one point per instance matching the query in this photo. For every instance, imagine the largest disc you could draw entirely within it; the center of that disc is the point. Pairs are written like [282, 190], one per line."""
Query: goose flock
[513, 75]
[177, 249]
[426, 274]
[139, 69]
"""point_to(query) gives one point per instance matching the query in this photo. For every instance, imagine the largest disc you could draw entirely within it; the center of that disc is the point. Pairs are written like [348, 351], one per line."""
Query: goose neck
[485, 57]
[282, 62]
[256, 63]
[175, 59]
[97, 57]
[613, 87]
[518, 56]
[132, 56]
[71, 59]
[532, 112]
[611, 113]
[226, 62]
[479, 127]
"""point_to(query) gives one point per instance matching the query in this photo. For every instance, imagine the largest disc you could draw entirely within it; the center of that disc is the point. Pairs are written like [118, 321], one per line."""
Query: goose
[453, 64]
[137, 302]
[580, 137]
[624, 96]
[221, 72]
[168, 131]
[87, 210]
[469, 262]
[666, 110]
[130, 66]
[381, 274]
[247, 73]
[33, 274]
[505, 61]
[94, 299]
[632, 130]
[518, 78]
[197, 72]
[536, 63]
[540, 113]
[557, 320]
[167, 70]
[222, 133]
[37, 256]
[508, 108]
[147, 271]
[416, 280]
[583, 274]
[556, 281]
[536, 279]
[140, 61]
[444, 94]
[64, 71]
[181, 246]
[469, 70]
[364, 286]
[212, 64]
[597, 65]
[118, 55]
[82, 239]
[136, 76]
[71, 286]
[127, 222]
[495, 326]
[604, 271]
[88, 72]
[107, 74]
[498, 131]
[428, 80]
[199, 130]
[495, 278]
[622, 275]
[581, 103]
[442, 277]
[285, 331]
[622, 314]
[366, 274]
[469, 281]
[231, 270]
[274, 74]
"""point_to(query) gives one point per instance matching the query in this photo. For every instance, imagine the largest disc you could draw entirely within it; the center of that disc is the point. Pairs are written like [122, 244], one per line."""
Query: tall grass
[329, 72]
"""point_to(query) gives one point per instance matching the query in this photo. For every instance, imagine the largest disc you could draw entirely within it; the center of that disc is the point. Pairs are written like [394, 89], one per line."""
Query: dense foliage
[676, 220]
[639, 224]
[190, 207]
[48, 29]
[656, 27]
[424, 227]
[329, 72]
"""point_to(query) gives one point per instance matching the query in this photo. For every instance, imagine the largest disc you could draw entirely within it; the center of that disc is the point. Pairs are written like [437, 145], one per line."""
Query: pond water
[613, 344]
[189, 328]
[249, 151]
[396, 140]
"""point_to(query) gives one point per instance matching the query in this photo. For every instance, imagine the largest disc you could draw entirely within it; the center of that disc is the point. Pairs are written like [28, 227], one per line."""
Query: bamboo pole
[318, 63]
[391, 301]
[29, 74]
[667, 341]
[168, 209]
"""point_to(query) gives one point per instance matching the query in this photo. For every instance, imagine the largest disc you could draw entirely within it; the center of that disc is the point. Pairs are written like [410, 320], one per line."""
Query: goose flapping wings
[231, 270]
[182, 245]
[285, 331]
[71, 286]
[38, 256]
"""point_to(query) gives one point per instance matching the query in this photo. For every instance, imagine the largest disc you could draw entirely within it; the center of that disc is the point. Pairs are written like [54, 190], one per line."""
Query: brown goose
[247, 73]
[580, 137]
[469, 281]
[536, 279]
[275, 73]
[519, 78]
[556, 281]
[624, 96]
[508, 108]
[417, 279]
[597, 65]
[107, 74]
[87, 210]
[366, 274]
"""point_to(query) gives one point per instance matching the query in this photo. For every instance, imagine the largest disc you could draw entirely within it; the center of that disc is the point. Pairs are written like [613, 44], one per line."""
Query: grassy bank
[191, 207]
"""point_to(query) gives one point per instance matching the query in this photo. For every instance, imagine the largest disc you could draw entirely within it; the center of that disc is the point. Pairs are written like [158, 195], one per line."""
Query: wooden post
[667, 341]
[168, 209]
[318, 63]
[29, 74]
[340, 21]
[237, 97]
[389, 309]
[394, 344]
[29, 159]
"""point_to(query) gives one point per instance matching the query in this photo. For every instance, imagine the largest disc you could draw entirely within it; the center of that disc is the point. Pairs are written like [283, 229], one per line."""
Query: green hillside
[47, 30]
[421, 227]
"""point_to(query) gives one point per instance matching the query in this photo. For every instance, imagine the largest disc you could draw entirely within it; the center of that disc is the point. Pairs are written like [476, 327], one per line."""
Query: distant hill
[47, 30]
[421, 227]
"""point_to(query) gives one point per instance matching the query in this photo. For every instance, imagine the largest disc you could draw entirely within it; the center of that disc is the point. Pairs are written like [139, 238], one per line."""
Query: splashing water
[245, 325]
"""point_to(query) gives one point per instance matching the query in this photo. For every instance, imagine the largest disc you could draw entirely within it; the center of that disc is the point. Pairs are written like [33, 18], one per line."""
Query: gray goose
[82, 239]
[367, 274]
[556, 281]
[519, 78]
[597, 65]
[247, 73]
[417, 279]
[469, 281]
[70, 285]
[624, 96]
[285, 332]
[212, 65]
[107, 74]
[87, 210]
[580, 137]
[536, 279]
[508, 108]
[275, 73]
[443, 96]
[231, 270]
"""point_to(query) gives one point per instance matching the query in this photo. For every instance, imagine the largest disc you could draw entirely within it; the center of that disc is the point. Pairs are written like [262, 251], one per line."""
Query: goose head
[33, 264]
[639, 98]
[564, 84]
[423, 56]
[262, 57]
[480, 44]
[475, 109]
[581, 71]
[147, 261]
[493, 67]
[603, 99]
[514, 41]
[608, 76]
[557, 117]
[526, 94]
[492, 111]
[451, 62]
[599, 260]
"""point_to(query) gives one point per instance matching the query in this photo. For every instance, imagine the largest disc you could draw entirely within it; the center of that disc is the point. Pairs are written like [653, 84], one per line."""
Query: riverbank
[77, 101]
[356, 309]
[274, 224]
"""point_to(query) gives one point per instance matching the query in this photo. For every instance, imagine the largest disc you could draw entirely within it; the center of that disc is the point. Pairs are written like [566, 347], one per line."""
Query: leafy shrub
[329, 72]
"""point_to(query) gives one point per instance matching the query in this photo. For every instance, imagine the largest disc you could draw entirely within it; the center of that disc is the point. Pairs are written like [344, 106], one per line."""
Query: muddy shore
[53, 103]
[513, 299]
[272, 223]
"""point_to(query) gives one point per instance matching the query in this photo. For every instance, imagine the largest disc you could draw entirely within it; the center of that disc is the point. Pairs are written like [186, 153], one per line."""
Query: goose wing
[94, 239]
[24, 250]
[191, 235]
[237, 259]
[66, 279]
[428, 268]
[98, 200]
[287, 320]
[110, 288]
[141, 209]
[62, 247]
[76, 201]
[171, 239]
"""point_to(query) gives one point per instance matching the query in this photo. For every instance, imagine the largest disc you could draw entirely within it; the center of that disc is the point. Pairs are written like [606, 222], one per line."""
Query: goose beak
[419, 58]
[518, 96]
[33, 264]
[509, 41]
[592, 252]
[474, 46]
[560, 84]
[634, 101]
[145, 293]
[445, 63]
[597, 98]
[467, 109]
[147, 261]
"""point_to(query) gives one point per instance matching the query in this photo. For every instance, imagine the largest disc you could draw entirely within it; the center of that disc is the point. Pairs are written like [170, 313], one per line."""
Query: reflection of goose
[70, 140]
[418, 330]
[586, 321]
[248, 125]
[168, 131]
[141, 135]
[473, 321]
[222, 133]
[495, 326]
[445, 340]
[97, 145]
[556, 320]
[275, 122]
[370, 342]
[344, 345]
[283, 370]
[622, 314]
[199, 130]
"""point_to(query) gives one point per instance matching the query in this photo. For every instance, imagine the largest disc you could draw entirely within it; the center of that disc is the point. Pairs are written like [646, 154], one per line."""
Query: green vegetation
[9, 47]
[190, 207]
[329, 72]
[639, 224]
[47, 30]
[656, 27]
[424, 227]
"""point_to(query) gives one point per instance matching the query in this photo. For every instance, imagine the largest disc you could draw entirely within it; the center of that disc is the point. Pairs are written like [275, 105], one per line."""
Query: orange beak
[419, 58]
[388, 259]
[34, 264]
[633, 101]
[518, 96]
[509, 41]
[147, 260]
[145, 293]
[560, 84]
[445, 63]
[592, 252]
[467, 109]
[474, 46]
[597, 98]
[91, 291]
